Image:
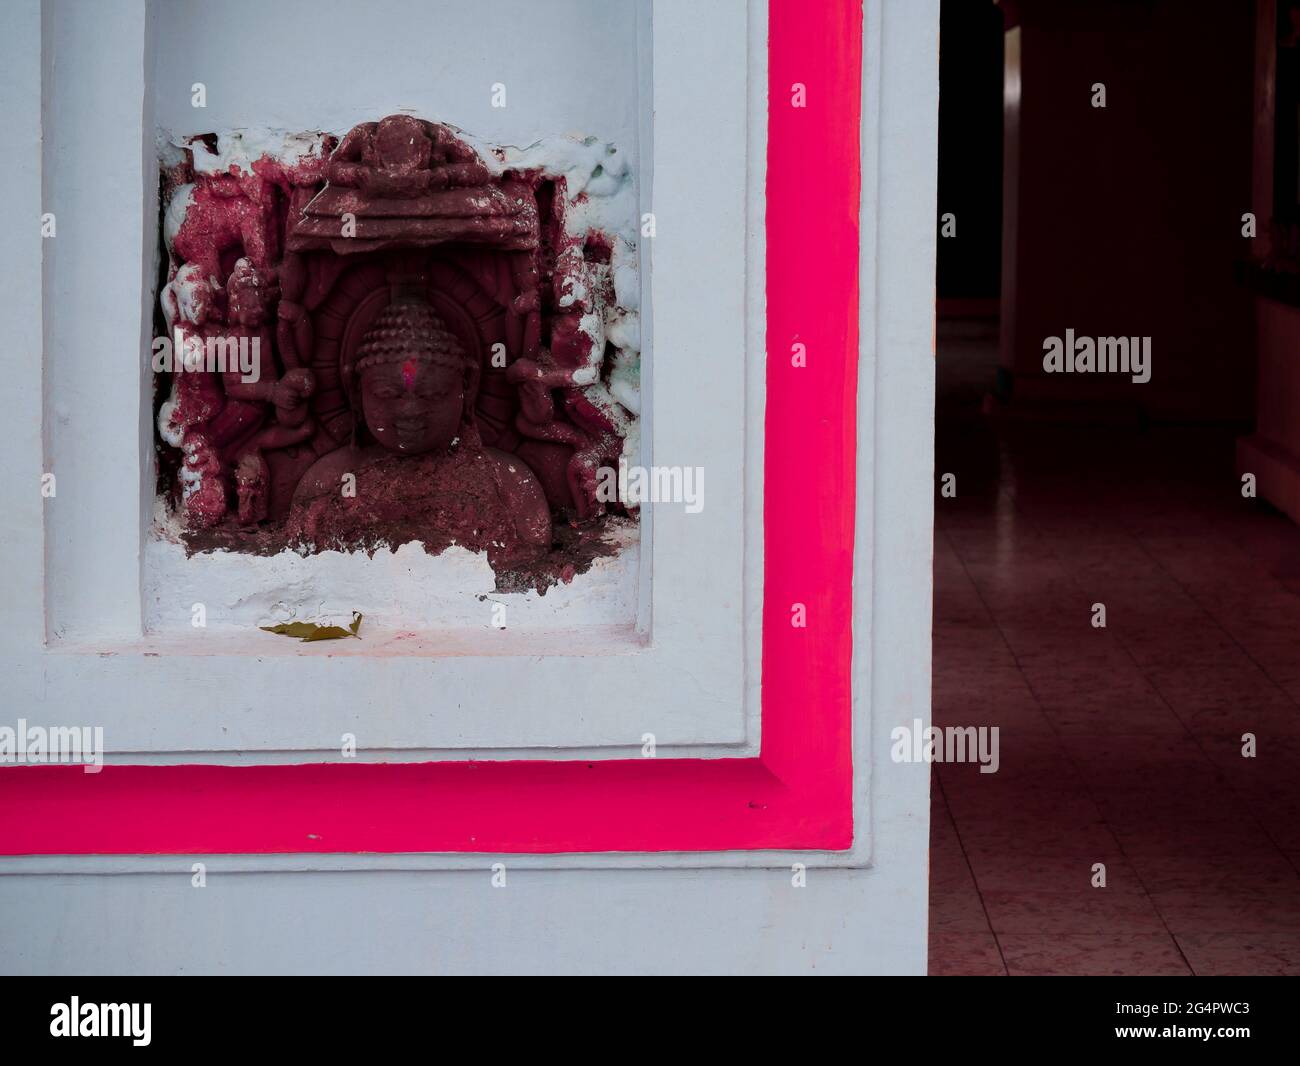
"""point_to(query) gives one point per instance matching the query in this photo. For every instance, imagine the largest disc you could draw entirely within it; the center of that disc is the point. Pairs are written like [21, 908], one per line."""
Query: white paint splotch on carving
[240, 149]
[600, 197]
[406, 589]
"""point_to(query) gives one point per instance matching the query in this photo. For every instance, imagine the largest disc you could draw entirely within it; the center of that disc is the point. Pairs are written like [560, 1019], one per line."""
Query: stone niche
[390, 346]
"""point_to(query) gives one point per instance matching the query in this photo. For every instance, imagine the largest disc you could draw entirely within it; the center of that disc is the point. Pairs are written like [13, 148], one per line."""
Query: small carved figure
[240, 430]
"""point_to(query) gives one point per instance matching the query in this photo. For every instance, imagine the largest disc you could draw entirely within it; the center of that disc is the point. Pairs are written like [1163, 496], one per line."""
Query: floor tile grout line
[1083, 777]
[1087, 783]
[1038, 703]
[1219, 625]
[1237, 793]
[943, 792]
[1196, 740]
[979, 893]
[979, 530]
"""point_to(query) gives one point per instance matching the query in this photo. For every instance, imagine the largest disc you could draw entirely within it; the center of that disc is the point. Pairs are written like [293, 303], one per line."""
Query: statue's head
[400, 143]
[415, 379]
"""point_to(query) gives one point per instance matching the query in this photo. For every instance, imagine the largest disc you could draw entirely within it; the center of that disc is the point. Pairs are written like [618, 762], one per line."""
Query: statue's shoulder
[326, 473]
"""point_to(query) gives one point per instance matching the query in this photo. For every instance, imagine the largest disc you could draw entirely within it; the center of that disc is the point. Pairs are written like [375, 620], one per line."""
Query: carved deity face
[412, 406]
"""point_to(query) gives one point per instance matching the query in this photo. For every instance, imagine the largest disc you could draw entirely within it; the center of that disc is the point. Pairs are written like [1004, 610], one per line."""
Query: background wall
[1126, 221]
[1272, 452]
[970, 150]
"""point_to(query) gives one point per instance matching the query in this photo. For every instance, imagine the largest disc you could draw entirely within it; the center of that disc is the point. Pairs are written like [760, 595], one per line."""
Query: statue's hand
[292, 390]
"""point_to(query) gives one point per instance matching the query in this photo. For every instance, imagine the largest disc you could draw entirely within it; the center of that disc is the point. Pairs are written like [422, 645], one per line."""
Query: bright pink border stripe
[798, 794]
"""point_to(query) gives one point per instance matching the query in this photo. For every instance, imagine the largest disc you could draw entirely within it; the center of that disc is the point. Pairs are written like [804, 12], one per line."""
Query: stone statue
[428, 338]
[426, 473]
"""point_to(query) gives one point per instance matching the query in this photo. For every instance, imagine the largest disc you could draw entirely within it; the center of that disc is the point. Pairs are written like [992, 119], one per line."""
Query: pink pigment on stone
[318, 246]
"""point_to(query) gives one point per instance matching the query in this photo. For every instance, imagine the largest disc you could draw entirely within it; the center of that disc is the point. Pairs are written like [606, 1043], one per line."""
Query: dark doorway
[1108, 594]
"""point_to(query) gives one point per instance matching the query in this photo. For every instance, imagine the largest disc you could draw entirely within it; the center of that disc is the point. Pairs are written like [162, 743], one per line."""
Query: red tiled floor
[1122, 745]
[1269, 954]
[1092, 955]
[1086, 910]
[965, 955]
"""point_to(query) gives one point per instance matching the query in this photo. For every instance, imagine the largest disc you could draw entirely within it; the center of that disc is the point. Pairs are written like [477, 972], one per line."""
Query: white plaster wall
[454, 689]
[101, 186]
[567, 66]
[304, 64]
[297, 918]
[575, 922]
[21, 282]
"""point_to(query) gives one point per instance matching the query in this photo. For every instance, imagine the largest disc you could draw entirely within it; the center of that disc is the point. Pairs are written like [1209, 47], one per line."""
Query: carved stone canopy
[410, 183]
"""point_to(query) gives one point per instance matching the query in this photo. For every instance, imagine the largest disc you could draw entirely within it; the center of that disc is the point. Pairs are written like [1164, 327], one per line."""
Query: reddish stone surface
[309, 260]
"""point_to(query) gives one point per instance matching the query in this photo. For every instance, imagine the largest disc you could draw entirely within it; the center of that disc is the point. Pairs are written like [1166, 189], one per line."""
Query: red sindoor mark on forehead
[408, 373]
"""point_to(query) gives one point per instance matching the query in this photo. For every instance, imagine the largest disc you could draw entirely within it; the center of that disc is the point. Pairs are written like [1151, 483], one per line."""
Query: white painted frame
[688, 673]
[638, 915]
[872, 911]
